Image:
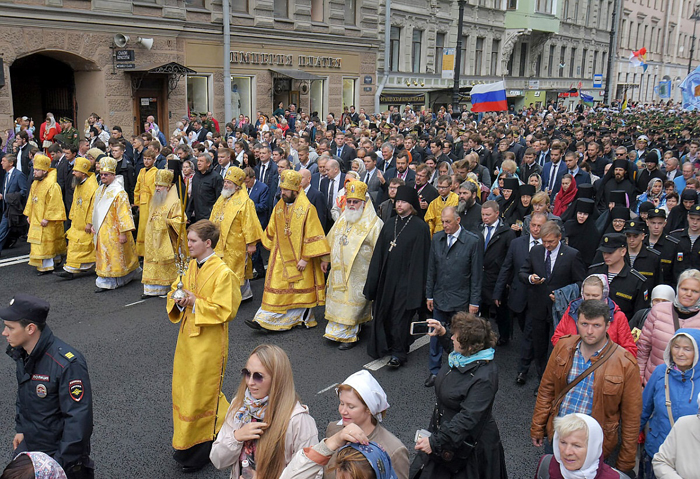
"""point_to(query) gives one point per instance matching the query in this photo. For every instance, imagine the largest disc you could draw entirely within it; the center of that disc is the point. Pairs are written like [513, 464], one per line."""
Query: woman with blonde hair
[265, 424]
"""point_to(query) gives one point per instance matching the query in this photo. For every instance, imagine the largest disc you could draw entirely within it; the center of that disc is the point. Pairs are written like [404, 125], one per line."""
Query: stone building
[127, 59]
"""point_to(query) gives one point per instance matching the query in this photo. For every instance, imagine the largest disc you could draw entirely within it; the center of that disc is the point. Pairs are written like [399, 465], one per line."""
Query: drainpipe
[387, 46]
[227, 60]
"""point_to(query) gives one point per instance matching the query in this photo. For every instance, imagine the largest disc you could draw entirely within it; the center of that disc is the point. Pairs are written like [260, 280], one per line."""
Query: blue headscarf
[377, 458]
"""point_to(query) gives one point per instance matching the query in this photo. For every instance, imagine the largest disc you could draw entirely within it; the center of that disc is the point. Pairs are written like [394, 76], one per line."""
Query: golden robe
[165, 224]
[199, 406]
[433, 215]
[352, 246]
[240, 226]
[143, 192]
[81, 249]
[113, 259]
[294, 233]
[45, 202]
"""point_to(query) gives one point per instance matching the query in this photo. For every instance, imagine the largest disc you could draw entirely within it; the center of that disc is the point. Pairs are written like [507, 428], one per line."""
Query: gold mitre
[355, 190]
[42, 162]
[164, 177]
[108, 165]
[236, 175]
[291, 180]
[82, 165]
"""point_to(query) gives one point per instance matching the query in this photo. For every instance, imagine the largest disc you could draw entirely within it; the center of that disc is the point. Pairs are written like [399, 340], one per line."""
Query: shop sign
[126, 65]
[277, 59]
[319, 62]
[533, 84]
[448, 64]
[402, 98]
[515, 93]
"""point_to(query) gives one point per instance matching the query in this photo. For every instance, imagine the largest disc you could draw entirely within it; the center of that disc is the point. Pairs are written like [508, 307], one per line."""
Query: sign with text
[448, 63]
[598, 80]
[126, 65]
[124, 55]
[258, 58]
[402, 98]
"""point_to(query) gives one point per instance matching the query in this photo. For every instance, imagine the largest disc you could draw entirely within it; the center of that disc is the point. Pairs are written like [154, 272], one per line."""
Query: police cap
[635, 227]
[656, 213]
[612, 241]
[27, 307]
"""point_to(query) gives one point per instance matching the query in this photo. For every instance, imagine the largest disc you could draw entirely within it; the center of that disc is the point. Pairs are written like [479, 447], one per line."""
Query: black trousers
[526, 351]
[541, 339]
[195, 456]
[501, 316]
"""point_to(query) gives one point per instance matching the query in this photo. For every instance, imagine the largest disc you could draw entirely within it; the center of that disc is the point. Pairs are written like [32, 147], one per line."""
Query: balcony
[530, 15]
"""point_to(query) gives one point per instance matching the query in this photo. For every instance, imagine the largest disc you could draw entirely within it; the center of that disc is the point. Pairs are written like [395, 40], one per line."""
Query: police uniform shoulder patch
[658, 253]
[76, 390]
[68, 355]
[638, 274]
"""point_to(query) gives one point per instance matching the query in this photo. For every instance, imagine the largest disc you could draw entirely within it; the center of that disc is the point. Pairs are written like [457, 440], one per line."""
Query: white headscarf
[370, 391]
[595, 450]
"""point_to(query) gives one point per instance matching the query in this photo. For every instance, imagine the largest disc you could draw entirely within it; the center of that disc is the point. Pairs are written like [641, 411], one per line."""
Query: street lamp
[458, 56]
[695, 16]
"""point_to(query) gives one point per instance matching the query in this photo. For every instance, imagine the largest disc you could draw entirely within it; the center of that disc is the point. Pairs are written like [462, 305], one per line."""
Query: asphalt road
[129, 346]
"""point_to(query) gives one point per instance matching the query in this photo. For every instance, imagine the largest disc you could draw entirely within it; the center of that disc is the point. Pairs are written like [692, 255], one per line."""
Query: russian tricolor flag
[489, 97]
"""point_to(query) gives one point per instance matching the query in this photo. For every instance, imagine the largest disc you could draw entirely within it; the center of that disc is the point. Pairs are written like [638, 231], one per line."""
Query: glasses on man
[257, 377]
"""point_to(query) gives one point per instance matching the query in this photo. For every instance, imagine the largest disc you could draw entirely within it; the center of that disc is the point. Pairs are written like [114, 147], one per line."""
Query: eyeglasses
[257, 377]
[620, 154]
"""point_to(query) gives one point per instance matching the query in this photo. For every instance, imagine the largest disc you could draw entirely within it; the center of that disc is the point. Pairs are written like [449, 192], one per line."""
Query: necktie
[534, 243]
[548, 264]
[488, 236]
[450, 241]
[262, 173]
[7, 183]
[330, 192]
[367, 177]
[542, 159]
[339, 152]
[552, 177]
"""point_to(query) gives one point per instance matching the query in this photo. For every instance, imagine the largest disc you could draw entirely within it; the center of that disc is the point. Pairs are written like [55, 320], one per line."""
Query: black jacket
[54, 400]
[206, 188]
[628, 289]
[494, 256]
[508, 276]
[471, 218]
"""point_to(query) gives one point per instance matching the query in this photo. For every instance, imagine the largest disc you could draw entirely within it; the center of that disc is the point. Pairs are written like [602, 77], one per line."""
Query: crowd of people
[578, 226]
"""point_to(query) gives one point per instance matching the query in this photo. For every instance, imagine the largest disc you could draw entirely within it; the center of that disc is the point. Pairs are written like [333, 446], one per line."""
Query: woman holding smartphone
[465, 442]
[265, 424]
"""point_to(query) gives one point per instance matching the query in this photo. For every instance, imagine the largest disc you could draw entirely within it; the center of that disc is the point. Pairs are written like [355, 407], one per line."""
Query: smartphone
[420, 328]
[421, 433]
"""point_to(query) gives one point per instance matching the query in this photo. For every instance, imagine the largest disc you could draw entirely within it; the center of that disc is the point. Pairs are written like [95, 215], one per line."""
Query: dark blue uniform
[54, 403]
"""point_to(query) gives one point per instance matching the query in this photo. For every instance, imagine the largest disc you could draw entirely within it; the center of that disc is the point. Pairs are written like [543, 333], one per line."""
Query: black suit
[410, 176]
[64, 178]
[427, 194]
[317, 199]
[568, 268]
[347, 154]
[339, 182]
[494, 256]
[271, 179]
[23, 161]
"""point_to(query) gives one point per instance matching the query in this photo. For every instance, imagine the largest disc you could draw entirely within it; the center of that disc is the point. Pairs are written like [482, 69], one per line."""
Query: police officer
[54, 399]
[627, 286]
[644, 259]
[687, 251]
[661, 242]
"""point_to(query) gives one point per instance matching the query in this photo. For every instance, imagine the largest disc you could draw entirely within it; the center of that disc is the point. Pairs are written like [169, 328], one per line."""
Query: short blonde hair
[569, 424]
[510, 166]
[689, 274]
[540, 198]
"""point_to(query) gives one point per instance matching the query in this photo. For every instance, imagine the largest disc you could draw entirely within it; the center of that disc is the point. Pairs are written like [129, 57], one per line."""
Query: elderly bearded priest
[352, 241]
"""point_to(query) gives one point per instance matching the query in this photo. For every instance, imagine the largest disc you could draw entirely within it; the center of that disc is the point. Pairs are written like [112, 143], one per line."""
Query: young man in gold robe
[45, 214]
[165, 225]
[211, 299]
[352, 239]
[433, 216]
[294, 281]
[234, 214]
[143, 192]
[81, 249]
[116, 262]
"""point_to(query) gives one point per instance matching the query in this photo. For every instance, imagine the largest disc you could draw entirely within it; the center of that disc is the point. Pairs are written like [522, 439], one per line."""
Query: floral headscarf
[45, 467]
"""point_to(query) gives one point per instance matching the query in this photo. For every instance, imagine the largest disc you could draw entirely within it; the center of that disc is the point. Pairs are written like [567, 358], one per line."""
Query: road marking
[380, 363]
[327, 389]
[15, 260]
[136, 302]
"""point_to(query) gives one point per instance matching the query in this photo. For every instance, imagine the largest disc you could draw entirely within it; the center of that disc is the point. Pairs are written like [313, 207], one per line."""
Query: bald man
[315, 197]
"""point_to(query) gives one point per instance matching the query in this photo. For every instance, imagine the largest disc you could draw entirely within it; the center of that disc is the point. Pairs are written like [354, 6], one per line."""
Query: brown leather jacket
[619, 405]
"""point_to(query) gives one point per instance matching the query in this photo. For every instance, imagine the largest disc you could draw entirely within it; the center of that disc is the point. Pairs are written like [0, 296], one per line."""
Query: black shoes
[253, 325]
[394, 362]
[521, 379]
[101, 290]
[346, 346]
[43, 273]
[64, 275]
[257, 276]
[502, 342]
[191, 469]
[430, 382]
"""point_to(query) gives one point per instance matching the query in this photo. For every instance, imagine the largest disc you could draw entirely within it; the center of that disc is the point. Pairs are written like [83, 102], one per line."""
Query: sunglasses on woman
[257, 377]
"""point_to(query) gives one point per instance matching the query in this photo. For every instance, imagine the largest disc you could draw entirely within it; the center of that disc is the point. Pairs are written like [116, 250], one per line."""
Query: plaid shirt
[580, 398]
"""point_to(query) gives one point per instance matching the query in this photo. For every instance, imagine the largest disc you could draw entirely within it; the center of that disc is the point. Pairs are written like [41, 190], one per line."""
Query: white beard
[353, 216]
[228, 193]
[158, 199]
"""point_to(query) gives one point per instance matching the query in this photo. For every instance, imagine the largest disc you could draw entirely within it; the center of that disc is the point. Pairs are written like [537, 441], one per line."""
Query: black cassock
[396, 283]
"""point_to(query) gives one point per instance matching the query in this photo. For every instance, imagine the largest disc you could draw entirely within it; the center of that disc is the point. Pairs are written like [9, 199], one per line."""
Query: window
[463, 55]
[538, 65]
[573, 62]
[317, 10]
[198, 93]
[583, 63]
[523, 59]
[394, 43]
[194, 3]
[510, 63]
[575, 17]
[565, 11]
[350, 12]
[551, 60]
[604, 68]
[562, 61]
[349, 92]
[416, 50]
[495, 53]
[239, 6]
[317, 96]
[512, 4]
[544, 6]
[439, 50]
[281, 9]
[600, 14]
[478, 55]
[595, 62]
[588, 12]
[241, 96]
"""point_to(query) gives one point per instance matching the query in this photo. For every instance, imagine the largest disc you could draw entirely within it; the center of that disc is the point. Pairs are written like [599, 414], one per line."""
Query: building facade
[126, 60]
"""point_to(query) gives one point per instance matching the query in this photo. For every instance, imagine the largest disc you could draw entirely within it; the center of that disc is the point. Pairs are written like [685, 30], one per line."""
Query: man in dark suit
[426, 192]
[259, 193]
[410, 145]
[553, 172]
[376, 184]
[509, 286]
[469, 208]
[315, 197]
[334, 182]
[206, 188]
[200, 130]
[14, 184]
[388, 160]
[549, 267]
[581, 177]
[529, 165]
[454, 278]
[267, 172]
[23, 159]
[543, 155]
[345, 153]
[402, 171]
[497, 238]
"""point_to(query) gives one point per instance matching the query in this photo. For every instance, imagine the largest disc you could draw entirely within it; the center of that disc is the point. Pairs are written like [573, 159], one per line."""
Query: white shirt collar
[200, 263]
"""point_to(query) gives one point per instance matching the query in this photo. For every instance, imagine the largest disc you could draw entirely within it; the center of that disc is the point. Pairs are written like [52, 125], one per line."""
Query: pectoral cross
[392, 243]
[343, 240]
[287, 230]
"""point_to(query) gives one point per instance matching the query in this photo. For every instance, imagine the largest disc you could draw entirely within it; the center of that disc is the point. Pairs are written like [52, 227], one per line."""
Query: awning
[174, 70]
[295, 74]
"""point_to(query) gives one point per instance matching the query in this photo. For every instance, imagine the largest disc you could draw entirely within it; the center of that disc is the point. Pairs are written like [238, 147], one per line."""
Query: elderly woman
[660, 294]
[678, 455]
[670, 393]
[578, 451]
[358, 166]
[363, 402]
[33, 465]
[464, 441]
[665, 319]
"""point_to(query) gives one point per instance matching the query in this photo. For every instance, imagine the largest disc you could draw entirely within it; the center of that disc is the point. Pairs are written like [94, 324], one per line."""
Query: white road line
[13, 261]
[136, 302]
[380, 363]
[327, 389]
